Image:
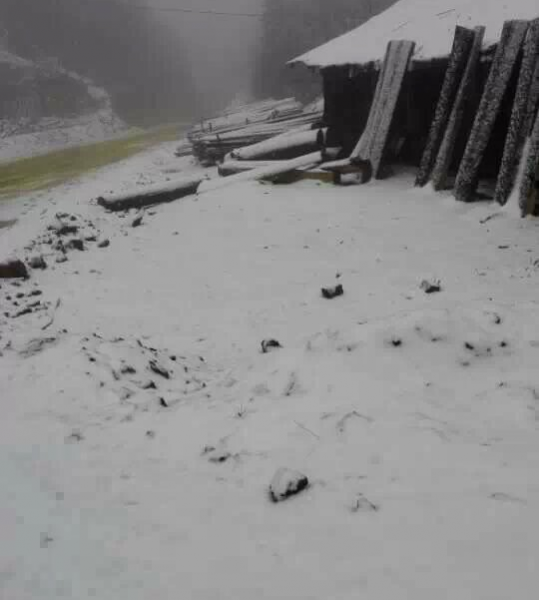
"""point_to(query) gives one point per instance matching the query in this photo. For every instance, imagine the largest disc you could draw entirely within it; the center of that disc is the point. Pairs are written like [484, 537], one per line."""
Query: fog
[221, 49]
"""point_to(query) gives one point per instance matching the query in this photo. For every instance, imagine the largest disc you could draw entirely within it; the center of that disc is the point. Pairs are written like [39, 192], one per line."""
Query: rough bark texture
[151, 195]
[447, 147]
[462, 46]
[502, 68]
[373, 141]
[516, 135]
[527, 199]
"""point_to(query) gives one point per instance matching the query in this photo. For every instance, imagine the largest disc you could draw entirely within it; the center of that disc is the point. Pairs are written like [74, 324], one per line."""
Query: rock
[268, 345]
[332, 292]
[76, 244]
[90, 238]
[363, 504]
[61, 259]
[286, 483]
[103, 243]
[431, 287]
[37, 262]
[216, 455]
[137, 221]
[160, 370]
[12, 269]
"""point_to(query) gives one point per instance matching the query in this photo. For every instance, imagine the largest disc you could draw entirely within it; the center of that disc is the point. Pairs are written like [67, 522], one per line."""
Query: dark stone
[76, 244]
[160, 370]
[268, 345]
[103, 243]
[37, 262]
[137, 221]
[12, 269]
[287, 483]
[332, 292]
[431, 287]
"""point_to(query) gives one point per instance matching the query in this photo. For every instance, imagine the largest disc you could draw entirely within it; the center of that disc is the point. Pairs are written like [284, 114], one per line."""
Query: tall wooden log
[447, 147]
[503, 65]
[516, 134]
[528, 195]
[373, 141]
[462, 46]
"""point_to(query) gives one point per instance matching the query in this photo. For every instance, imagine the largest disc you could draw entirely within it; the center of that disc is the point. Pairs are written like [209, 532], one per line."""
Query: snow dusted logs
[527, 197]
[373, 141]
[214, 139]
[521, 116]
[265, 173]
[155, 194]
[447, 147]
[298, 142]
[503, 65]
[460, 53]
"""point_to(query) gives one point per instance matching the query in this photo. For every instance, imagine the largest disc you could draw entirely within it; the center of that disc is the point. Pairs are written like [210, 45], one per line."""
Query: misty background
[160, 65]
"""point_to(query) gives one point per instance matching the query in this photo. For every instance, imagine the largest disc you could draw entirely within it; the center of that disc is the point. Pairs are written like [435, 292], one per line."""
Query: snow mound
[430, 23]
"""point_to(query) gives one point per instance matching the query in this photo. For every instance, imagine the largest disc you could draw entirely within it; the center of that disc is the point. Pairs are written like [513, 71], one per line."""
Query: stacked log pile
[251, 124]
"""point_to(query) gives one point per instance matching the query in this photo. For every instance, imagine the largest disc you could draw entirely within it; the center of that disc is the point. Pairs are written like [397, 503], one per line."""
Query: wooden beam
[503, 65]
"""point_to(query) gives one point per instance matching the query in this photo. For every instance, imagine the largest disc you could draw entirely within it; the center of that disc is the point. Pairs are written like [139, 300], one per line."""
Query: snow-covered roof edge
[429, 23]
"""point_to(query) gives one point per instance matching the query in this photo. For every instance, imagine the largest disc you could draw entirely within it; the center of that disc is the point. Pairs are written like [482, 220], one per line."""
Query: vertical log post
[462, 46]
[528, 195]
[516, 135]
[500, 74]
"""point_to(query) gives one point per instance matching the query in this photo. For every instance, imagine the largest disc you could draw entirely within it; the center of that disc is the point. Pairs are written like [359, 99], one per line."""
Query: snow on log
[373, 141]
[462, 46]
[527, 198]
[233, 167]
[154, 194]
[503, 65]
[447, 147]
[516, 135]
[287, 145]
[263, 173]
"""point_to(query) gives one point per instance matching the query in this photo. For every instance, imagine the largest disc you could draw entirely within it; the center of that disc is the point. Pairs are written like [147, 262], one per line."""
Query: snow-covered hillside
[141, 423]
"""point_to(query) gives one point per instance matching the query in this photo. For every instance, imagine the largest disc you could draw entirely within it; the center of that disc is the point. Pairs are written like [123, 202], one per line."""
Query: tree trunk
[445, 153]
[516, 135]
[462, 46]
[502, 68]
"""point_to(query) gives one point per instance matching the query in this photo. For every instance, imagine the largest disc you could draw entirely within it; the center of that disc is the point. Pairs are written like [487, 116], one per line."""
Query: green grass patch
[48, 170]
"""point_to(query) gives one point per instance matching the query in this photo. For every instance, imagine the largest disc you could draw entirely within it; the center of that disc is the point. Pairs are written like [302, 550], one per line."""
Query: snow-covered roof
[430, 23]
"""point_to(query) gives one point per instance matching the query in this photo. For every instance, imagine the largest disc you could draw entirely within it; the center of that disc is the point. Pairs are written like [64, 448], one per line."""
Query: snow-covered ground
[49, 135]
[415, 416]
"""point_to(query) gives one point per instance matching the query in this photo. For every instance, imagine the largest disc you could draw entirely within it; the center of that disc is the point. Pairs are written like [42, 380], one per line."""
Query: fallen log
[155, 194]
[263, 173]
[287, 145]
[233, 167]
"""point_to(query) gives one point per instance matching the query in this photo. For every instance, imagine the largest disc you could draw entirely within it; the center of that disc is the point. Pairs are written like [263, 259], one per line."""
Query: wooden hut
[456, 94]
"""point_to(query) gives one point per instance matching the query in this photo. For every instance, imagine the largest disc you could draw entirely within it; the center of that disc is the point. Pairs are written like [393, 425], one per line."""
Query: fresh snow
[429, 23]
[414, 417]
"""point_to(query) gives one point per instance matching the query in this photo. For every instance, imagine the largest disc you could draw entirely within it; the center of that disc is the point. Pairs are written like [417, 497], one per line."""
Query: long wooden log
[155, 194]
[528, 195]
[262, 173]
[447, 147]
[516, 134]
[462, 46]
[503, 66]
[373, 141]
[233, 167]
[287, 145]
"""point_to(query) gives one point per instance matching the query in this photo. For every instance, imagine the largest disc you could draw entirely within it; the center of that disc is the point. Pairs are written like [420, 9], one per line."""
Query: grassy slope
[32, 174]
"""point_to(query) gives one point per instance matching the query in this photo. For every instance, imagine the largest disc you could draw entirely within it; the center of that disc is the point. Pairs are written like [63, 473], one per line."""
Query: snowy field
[141, 424]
